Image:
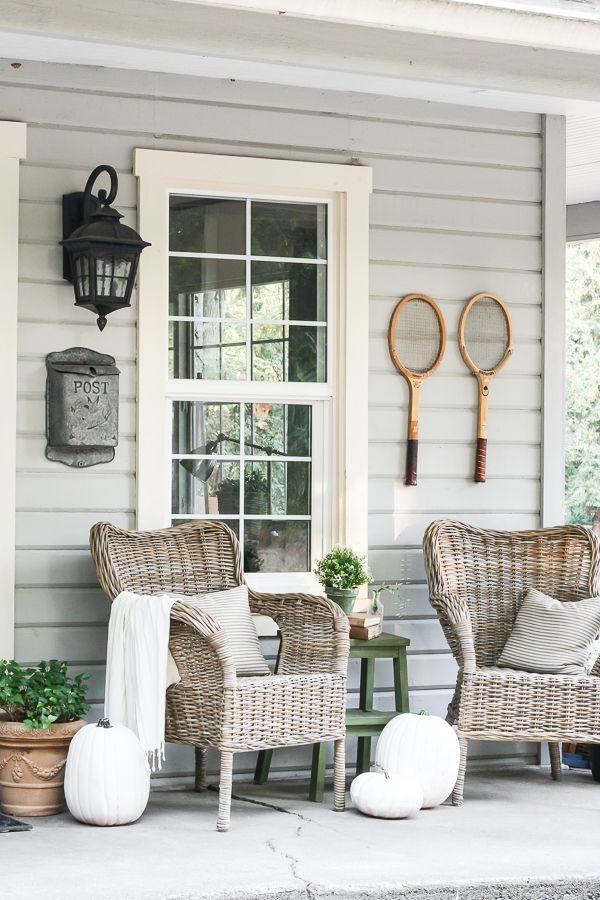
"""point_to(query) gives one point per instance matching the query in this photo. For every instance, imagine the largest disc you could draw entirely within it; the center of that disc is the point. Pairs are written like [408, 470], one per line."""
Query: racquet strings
[486, 334]
[417, 336]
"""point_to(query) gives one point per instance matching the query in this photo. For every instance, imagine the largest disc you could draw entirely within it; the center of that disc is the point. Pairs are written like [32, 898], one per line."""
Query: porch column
[12, 149]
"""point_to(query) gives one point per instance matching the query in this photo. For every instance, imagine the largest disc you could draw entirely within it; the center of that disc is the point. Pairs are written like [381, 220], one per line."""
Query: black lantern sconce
[101, 255]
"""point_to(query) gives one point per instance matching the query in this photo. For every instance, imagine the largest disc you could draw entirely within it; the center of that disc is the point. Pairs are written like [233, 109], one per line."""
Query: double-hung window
[248, 305]
[252, 350]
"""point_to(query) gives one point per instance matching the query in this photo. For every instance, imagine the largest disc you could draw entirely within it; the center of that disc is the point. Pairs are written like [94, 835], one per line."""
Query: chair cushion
[551, 637]
[231, 610]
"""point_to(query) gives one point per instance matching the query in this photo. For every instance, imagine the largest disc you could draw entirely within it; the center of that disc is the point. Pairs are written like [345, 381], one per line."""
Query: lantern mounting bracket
[79, 206]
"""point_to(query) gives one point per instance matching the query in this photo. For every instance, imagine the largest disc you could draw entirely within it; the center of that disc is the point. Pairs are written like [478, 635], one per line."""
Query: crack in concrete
[310, 889]
[282, 809]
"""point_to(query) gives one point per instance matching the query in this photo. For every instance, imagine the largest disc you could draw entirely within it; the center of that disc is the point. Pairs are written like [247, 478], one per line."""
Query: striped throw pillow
[231, 610]
[551, 637]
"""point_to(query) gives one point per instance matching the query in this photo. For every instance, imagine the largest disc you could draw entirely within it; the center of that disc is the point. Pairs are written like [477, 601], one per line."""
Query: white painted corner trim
[13, 137]
[553, 319]
[348, 189]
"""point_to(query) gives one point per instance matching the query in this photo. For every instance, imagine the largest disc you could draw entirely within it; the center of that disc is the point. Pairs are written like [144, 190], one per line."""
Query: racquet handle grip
[412, 449]
[480, 459]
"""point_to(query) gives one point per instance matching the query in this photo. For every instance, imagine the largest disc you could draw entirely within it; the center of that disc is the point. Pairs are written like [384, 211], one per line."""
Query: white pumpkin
[107, 778]
[386, 797]
[424, 748]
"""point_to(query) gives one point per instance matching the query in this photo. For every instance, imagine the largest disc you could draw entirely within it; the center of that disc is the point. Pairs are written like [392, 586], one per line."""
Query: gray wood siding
[456, 209]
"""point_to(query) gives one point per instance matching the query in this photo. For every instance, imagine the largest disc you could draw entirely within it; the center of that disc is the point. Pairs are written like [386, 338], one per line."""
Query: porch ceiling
[513, 60]
[518, 835]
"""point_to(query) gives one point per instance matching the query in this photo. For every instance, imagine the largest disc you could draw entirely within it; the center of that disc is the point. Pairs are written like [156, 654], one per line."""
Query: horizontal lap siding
[455, 210]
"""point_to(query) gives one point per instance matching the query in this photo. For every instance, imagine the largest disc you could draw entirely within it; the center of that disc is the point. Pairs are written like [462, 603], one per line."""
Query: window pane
[289, 229]
[205, 428]
[204, 487]
[207, 287]
[273, 545]
[213, 350]
[277, 488]
[207, 225]
[289, 353]
[289, 291]
[277, 428]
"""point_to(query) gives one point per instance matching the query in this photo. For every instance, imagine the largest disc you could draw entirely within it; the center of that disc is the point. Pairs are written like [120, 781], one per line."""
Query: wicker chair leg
[339, 775]
[225, 790]
[555, 761]
[200, 779]
[457, 793]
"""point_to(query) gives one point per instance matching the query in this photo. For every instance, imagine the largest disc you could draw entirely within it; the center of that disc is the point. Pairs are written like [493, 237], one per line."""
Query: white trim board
[12, 148]
[87, 52]
[553, 312]
[348, 188]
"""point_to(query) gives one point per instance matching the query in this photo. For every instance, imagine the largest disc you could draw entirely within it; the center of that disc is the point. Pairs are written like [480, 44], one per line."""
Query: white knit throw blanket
[136, 669]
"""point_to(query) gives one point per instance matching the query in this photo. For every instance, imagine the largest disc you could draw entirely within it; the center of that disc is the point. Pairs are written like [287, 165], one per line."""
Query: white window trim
[348, 188]
[13, 140]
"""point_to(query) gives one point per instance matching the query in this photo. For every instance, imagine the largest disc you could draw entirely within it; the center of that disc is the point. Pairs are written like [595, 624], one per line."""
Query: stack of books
[364, 626]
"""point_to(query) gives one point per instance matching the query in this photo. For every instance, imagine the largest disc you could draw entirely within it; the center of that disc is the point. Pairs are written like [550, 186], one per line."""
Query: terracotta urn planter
[32, 767]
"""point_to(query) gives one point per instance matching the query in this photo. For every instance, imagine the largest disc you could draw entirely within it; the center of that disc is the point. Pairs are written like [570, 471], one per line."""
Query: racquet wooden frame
[415, 381]
[483, 379]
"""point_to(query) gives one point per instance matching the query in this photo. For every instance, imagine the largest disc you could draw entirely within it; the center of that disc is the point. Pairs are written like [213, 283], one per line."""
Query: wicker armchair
[477, 582]
[304, 703]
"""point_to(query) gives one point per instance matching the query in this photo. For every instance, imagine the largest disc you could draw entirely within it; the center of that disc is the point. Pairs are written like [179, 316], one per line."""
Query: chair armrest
[455, 616]
[212, 641]
[314, 632]
[596, 668]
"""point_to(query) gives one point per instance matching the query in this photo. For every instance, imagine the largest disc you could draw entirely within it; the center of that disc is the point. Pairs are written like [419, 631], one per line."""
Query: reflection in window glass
[295, 230]
[207, 285]
[209, 350]
[294, 291]
[272, 505]
[276, 545]
[199, 489]
[288, 353]
[198, 426]
[277, 427]
[207, 225]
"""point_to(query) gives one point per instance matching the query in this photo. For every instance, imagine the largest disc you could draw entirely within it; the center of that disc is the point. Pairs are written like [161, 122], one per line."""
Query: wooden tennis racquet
[485, 338]
[417, 339]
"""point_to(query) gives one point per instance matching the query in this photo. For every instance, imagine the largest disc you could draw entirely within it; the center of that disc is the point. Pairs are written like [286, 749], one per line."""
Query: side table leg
[317, 772]
[363, 755]
[401, 681]
[263, 765]
[367, 682]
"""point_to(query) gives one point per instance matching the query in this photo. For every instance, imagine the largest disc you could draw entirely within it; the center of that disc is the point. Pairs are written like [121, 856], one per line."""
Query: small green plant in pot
[341, 573]
[42, 711]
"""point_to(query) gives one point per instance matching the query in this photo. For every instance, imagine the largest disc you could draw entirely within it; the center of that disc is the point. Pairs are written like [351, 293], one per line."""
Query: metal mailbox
[82, 407]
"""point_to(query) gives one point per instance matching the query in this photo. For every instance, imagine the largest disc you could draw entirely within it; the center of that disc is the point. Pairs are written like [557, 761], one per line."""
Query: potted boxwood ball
[341, 573]
[42, 711]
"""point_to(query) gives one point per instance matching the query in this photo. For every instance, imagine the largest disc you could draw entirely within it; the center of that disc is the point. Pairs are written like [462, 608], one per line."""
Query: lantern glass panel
[82, 276]
[112, 275]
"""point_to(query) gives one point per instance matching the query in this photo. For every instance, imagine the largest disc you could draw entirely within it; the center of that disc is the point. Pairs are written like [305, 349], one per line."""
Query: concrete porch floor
[518, 835]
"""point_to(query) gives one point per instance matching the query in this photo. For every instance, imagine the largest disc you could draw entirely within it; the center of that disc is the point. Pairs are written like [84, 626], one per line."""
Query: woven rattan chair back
[493, 570]
[194, 558]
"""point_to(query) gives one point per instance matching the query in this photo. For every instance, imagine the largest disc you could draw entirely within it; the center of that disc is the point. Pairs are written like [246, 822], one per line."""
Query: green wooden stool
[364, 722]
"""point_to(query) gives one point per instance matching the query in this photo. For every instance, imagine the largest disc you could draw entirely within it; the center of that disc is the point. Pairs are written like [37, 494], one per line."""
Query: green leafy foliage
[37, 697]
[342, 568]
[582, 488]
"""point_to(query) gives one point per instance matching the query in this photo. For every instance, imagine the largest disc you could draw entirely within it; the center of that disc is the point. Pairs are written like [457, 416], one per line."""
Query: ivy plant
[37, 697]
[343, 569]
